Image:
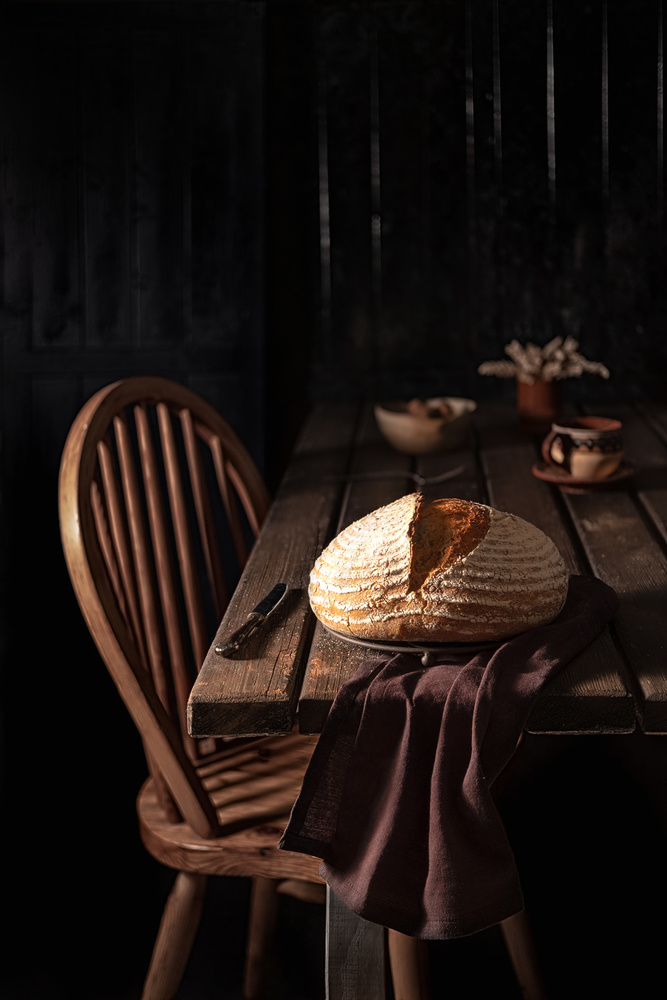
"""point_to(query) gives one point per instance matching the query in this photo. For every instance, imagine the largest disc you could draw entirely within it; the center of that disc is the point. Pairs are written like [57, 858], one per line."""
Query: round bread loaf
[445, 571]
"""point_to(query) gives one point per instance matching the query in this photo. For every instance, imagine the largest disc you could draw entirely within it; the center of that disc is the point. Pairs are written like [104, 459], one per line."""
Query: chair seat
[253, 784]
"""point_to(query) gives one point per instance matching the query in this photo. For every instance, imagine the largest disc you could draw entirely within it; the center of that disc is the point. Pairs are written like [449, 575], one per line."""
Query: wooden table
[342, 469]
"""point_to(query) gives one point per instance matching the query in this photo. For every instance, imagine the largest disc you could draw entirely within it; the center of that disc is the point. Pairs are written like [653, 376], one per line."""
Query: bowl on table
[419, 426]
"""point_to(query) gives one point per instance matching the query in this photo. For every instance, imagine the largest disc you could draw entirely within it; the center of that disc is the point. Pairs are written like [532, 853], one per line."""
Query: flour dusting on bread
[445, 571]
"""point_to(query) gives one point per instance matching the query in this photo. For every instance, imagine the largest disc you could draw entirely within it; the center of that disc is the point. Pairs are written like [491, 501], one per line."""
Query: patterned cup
[585, 447]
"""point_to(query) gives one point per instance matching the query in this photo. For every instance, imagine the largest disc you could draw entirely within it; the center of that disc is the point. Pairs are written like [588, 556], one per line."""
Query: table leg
[355, 955]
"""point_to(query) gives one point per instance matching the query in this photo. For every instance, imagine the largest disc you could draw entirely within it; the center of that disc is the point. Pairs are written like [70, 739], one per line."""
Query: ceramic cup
[585, 447]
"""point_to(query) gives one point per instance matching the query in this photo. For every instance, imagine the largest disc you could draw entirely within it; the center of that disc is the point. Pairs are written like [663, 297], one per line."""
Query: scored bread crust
[445, 571]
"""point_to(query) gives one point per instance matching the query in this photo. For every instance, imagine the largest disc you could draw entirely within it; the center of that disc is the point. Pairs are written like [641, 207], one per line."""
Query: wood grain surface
[616, 533]
[257, 689]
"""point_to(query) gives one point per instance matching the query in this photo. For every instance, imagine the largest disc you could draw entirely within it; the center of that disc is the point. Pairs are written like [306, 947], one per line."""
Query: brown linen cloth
[397, 799]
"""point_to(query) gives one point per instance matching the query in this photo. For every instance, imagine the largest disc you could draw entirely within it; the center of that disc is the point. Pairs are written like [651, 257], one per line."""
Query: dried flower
[558, 359]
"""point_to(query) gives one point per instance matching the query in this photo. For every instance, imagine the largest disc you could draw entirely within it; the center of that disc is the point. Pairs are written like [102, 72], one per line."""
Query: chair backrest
[159, 503]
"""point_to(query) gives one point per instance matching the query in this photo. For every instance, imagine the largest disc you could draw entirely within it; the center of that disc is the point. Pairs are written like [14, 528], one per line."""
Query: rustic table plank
[384, 476]
[593, 692]
[655, 413]
[377, 475]
[648, 438]
[623, 534]
[257, 690]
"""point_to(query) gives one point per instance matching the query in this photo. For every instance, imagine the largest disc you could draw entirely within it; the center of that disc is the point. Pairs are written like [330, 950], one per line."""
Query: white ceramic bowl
[416, 433]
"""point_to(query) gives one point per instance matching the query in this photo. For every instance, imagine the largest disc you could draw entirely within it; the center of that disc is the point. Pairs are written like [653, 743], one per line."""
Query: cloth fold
[397, 799]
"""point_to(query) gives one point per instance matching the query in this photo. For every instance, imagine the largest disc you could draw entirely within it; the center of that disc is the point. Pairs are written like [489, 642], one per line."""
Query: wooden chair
[159, 503]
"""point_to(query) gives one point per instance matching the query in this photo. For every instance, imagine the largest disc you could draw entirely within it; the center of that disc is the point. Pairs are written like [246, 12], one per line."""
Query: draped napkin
[397, 799]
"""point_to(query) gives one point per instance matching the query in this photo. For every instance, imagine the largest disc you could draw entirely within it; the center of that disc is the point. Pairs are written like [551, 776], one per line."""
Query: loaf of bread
[445, 571]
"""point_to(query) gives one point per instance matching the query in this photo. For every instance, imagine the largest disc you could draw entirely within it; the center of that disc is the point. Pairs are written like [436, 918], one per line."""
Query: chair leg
[261, 928]
[178, 927]
[521, 948]
[408, 960]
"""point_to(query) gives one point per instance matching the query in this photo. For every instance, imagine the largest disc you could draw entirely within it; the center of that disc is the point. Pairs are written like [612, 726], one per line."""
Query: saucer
[570, 484]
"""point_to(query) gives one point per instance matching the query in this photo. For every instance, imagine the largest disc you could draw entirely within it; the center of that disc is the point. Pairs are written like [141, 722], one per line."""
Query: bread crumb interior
[443, 532]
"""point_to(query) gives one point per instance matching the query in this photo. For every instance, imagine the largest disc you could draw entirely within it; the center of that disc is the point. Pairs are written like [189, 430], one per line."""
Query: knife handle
[230, 645]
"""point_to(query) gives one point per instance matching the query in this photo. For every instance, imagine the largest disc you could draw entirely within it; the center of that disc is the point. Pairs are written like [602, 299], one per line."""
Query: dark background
[275, 203]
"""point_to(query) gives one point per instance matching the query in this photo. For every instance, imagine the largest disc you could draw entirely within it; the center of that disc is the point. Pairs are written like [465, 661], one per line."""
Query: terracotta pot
[538, 405]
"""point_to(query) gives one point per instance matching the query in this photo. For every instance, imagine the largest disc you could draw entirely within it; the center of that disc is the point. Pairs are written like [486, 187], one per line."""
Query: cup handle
[546, 448]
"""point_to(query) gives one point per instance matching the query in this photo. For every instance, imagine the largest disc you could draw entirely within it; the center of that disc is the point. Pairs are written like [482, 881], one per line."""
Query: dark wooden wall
[131, 230]
[276, 201]
[488, 169]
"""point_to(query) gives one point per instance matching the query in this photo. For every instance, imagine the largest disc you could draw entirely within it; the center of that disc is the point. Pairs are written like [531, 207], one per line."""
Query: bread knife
[256, 618]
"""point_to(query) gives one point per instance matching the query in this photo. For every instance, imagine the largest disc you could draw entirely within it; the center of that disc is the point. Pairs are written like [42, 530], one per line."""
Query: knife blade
[256, 617]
